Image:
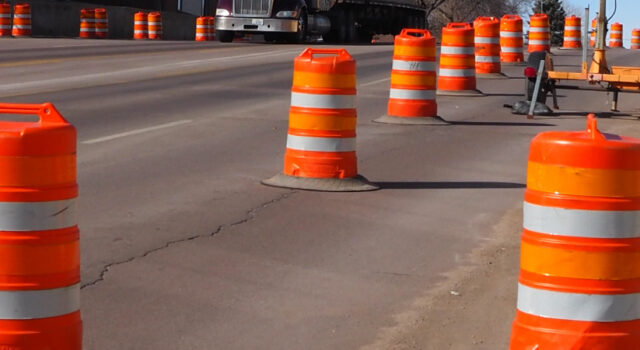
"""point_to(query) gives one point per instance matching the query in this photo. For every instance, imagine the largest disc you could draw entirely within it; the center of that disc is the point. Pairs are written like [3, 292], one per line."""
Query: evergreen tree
[555, 10]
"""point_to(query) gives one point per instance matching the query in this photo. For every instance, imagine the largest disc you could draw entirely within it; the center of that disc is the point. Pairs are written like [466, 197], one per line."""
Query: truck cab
[285, 20]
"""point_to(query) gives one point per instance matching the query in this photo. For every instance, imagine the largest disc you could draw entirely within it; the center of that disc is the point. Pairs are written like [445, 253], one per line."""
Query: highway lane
[182, 248]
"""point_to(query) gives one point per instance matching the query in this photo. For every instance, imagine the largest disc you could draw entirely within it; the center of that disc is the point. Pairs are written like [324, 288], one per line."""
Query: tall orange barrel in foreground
[154, 23]
[140, 28]
[457, 61]
[102, 23]
[21, 20]
[40, 265]
[635, 39]
[487, 44]
[511, 42]
[579, 285]
[594, 29]
[87, 23]
[5, 19]
[615, 35]
[572, 32]
[321, 142]
[412, 98]
[539, 39]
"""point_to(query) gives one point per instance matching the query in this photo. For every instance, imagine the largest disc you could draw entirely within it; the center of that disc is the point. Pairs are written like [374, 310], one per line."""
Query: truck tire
[225, 36]
[301, 35]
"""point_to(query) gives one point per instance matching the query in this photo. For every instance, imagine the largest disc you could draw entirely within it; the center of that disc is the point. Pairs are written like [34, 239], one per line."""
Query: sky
[628, 13]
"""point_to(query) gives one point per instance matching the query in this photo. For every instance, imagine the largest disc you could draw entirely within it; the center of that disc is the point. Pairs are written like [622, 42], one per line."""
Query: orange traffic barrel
[412, 97]
[511, 41]
[592, 37]
[615, 35]
[457, 75]
[487, 47]
[5, 19]
[87, 23]
[154, 22]
[102, 23]
[21, 20]
[202, 29]
[572, 33]
[579, 284]
[321, 141]
[635, 39]
[539, 39]
[140, 28]
[39, 238]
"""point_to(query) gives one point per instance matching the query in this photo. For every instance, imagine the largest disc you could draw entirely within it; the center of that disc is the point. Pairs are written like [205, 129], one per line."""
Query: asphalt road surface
[183, 248]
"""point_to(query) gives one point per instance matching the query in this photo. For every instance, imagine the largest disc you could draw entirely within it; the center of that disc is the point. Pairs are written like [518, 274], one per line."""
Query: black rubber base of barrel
[355, 184]
[436, 120]
[467, 93]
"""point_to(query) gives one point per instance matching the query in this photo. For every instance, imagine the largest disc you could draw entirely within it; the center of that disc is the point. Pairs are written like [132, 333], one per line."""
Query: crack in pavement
[249, 216]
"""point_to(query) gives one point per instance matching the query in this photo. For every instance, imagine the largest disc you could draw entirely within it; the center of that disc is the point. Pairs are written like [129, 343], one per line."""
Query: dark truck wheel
[225, 36]
[530, 82]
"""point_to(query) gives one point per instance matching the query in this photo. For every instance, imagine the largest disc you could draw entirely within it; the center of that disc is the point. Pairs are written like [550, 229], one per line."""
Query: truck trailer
[338, 21]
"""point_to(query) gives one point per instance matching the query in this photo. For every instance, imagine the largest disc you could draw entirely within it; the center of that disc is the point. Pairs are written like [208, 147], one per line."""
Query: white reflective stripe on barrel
[5, 15]
[140, 22]
[202, 26]
[570, 28]
[505, 34]
[34, 304]
[88, 20]
[487, 59]
[486, 40]
[5, 26]
[447, 72]
[580, 222]
[140, 31]
[323, 101]
[457, 50]
[87, 30]
[21, 26]
[37, 216]
[539, 29]
[571, 38]
[406, 94]
[28, 16]
[509, 49]
[615, 40]
[538, 42]
[416, 66]
[321, 144]
[578, 307]
[615, 32]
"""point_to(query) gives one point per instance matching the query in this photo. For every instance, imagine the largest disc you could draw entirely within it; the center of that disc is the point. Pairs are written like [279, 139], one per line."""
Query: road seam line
[135, 132]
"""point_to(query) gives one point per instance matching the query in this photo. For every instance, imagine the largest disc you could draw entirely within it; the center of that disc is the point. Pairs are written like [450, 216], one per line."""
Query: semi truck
[337, 21]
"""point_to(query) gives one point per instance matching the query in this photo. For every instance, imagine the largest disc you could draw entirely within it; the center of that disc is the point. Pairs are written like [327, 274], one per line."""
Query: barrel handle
[592, 127]
[309, 52]
[421, 33]
[47, 113]
[459, 25]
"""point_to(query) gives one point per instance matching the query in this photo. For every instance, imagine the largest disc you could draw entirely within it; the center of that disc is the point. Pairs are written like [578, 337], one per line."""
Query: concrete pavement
[182, 248]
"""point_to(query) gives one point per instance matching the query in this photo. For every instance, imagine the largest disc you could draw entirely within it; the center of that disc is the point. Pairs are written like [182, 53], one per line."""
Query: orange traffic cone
[635, 39]
[412, 98]
[102, 23]
[539, 35]
[572, 33]
[5, 19]
[615, 36]
[140, 26]
[457, 74]
[87, 24]
[21, 20]
[40, 265]
[511, 42]
[321, 142]
[487, 44]
[580, 254]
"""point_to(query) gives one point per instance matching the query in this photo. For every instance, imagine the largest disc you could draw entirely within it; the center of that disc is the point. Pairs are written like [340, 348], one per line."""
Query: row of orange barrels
[615, 34]
[94, 23]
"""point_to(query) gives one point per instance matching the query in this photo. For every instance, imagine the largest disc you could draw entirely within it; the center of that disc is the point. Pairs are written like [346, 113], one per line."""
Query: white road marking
[136, 132]
[375, 82]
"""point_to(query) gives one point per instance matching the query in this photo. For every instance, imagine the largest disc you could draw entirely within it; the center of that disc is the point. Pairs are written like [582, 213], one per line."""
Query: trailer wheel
[530, 83]
[225, 36]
